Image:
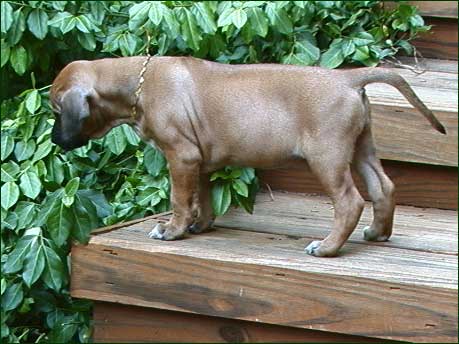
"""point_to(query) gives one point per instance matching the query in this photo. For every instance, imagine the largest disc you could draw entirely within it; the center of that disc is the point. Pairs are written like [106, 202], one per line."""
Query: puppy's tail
[364, 76]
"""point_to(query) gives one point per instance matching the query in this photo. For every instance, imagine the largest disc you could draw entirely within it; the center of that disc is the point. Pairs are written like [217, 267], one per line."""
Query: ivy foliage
[49, 199]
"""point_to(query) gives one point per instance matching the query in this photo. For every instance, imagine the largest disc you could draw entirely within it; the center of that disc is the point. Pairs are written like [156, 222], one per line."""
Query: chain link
[141, 78]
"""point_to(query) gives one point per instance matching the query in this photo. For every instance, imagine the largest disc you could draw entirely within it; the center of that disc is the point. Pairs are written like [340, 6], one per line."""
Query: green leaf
[10, 171]
[87, 41]
[239, 18]
[138, 15]
[72, 186]
[15, 259]
[30, 184]
[149, 196]
[81, 222]
[97, 12]
[362, 39]
[348, 47]
[19, 59]
[38, 23]
[332, 58]
[55, 170]
[33, 101]
[204, 17]
[59, 223]
[51, 201]
[310, 53]
[154, 161]
[53, 274]
[60, 19]
[64, 330]
[17, 27]
[240, 187]
[406, 46]
[190, 31]
[6, 16]
[26, 214]
[171, 24]
[226, 17]
[7, 146]
[34, 265]
[83, 24]
[116, 141]
[279, 18]
[361, 53]
[68, 24]
[247, 175]
[68, 200]
[128, 44]
[258, 21]
[42, 151]
[12, 297]
[221, 198]
[10, 195]
[10, 222]
[24, 150]
[3, 286]
[130, 135]
[5, 52]
[155, 14]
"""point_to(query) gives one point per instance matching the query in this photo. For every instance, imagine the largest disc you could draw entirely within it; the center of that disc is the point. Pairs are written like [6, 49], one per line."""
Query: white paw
[312, 248]
[157, 232]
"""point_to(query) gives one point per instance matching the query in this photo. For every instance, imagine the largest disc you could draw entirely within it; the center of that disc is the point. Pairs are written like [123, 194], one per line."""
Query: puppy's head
[76, 106]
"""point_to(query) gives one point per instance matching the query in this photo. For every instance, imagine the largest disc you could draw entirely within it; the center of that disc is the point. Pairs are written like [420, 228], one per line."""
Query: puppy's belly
[265, 157]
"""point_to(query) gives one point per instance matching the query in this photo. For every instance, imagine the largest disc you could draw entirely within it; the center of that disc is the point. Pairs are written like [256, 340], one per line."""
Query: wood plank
[445, 9]
[297, 215]
[418, 185]
[376, 262]
[403, 134]
[438, 97]
[441, 42]
[115, 323]
[244, 275]
[432, 65]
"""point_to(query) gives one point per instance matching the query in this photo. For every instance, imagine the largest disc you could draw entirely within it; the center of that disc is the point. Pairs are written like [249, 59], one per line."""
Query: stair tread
[423, 250]
[240, 272]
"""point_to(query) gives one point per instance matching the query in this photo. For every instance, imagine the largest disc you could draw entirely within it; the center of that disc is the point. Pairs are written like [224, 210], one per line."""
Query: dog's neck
[117, 97]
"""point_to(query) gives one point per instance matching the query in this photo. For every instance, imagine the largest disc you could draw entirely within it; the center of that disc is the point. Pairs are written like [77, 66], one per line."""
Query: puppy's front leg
[203, 207]
[185, 179]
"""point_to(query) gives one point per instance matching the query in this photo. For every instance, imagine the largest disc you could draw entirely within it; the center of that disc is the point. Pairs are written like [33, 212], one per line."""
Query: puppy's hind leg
[333, 170]
[379, 186]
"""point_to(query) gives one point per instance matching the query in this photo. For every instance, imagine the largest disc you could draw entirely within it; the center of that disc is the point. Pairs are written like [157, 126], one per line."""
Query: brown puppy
[204, 115]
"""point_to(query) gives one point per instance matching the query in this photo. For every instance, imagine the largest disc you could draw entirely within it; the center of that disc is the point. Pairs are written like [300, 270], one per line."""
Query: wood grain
[445, 9]
[266, 278]
[416, 184]
[297, 215]
[428, 64]
[403, 134]
[438, 90]
[441, 42]
[116, 323]
[382, 261]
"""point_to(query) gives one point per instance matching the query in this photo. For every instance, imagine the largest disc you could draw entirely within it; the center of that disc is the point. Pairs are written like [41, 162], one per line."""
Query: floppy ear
[75, 106]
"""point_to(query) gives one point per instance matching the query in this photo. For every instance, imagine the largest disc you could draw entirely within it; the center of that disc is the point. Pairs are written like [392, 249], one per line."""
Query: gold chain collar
[141, 79]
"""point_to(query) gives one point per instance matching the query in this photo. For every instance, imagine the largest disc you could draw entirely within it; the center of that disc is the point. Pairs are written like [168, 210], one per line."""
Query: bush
[50, 198]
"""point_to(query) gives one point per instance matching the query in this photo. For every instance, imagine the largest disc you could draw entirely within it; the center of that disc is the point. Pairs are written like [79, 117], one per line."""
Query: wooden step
[401, 132]
[254, 268]
[415, 184]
